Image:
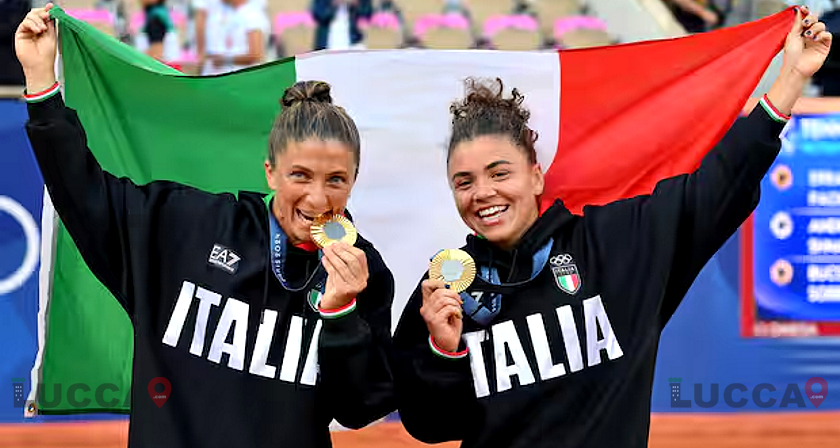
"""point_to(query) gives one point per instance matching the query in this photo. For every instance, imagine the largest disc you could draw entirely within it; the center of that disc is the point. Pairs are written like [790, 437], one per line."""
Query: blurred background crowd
[217, 36]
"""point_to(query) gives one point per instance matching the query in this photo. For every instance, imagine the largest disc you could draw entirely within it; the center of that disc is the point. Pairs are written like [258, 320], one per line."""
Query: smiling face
[496, 188]
[309, 178]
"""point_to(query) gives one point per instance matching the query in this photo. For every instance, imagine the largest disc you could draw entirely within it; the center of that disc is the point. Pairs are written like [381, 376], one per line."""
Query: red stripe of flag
[631, 115]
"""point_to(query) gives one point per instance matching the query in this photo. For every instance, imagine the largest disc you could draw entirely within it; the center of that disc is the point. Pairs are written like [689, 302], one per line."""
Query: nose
[317, 197]
[484, 190]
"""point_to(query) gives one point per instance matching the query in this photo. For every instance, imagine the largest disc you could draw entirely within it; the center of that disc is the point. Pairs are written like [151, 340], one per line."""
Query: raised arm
[110, 219]
[722, 193]
[688, 218]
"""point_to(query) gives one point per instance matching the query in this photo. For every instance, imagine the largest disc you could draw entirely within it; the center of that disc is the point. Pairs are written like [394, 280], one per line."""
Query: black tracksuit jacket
[572, 367]
[192, 270]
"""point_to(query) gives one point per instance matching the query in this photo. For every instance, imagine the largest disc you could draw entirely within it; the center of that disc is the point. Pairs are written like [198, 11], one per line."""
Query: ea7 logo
[224, 258]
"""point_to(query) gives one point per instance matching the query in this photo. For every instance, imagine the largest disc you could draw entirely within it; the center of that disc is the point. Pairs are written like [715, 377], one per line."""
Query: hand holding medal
[346, 266]
[330, 228]
[451, 272]
[454, 268]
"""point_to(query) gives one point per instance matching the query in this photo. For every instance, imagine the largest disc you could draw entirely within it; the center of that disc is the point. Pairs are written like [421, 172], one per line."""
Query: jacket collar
[518, 261]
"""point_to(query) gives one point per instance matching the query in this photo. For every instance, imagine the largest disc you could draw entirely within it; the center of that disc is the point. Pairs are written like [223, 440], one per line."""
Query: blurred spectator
[696, 16]
[454, 6]
[828, 77]
[523, 7]
[338, 23]
[202, 8]
[483, 43]
[117, 9]
[818, 7]
[236, 34]
[412, 42]
[157, 37]
[12, 13]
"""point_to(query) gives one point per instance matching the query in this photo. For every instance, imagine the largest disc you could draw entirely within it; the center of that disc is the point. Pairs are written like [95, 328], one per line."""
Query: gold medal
[331, 228]
[454, 267]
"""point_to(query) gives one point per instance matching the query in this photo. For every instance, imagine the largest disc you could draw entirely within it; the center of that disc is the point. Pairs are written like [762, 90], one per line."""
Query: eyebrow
[487, 168]
[496, 163]
[301, 168]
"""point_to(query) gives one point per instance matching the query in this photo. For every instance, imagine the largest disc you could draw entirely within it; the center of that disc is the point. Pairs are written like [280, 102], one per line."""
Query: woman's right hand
[35, 45]
[443, 315]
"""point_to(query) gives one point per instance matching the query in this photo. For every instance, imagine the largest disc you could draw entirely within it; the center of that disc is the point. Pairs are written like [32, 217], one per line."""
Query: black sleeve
[669, 235]
[435, 395]
[110, 219]
[155, 30]
[354, 353]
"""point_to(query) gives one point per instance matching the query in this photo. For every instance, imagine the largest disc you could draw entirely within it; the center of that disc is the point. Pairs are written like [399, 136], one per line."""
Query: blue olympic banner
[791, 262]
[21, 199]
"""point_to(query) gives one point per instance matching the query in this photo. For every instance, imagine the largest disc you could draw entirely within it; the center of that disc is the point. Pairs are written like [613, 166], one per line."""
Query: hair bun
[486, 97]
[307, 91]
[485, 110]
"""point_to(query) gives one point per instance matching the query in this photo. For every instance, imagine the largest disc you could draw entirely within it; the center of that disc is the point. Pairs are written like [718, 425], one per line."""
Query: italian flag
[612, 122]
[569, 282]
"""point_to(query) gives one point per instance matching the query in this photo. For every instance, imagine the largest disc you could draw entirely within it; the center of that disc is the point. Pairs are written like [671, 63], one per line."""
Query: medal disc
[330, 228]
[454, 267]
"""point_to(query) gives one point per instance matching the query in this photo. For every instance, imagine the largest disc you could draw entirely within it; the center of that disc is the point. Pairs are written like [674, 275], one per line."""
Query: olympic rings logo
[561, 259]
[30, 259]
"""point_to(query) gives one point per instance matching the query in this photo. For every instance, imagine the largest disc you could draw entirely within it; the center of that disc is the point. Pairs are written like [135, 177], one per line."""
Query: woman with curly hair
[554, 341]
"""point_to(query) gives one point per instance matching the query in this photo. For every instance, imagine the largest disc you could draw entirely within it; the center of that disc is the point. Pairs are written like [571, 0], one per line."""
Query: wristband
[445, 353]
[771, 110]
[338, 312]
[43, 95]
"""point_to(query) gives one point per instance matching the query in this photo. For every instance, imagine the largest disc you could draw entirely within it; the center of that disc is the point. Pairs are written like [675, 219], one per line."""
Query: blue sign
[796, 246]
[21, 199]
[702, 347]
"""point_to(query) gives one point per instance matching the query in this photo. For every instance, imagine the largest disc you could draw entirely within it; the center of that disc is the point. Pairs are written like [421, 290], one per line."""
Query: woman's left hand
[806, 49]
[807, 44]
[347, 274]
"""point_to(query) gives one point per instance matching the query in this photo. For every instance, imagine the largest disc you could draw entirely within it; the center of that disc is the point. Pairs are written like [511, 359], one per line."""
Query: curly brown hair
[309, 112]
[486, 111]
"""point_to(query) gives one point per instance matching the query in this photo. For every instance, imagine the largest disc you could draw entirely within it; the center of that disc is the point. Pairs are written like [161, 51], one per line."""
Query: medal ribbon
[485, 306]
[277, 249]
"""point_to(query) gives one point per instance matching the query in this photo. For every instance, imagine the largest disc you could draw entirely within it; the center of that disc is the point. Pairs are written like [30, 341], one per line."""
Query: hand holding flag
[35, 45]
[808, 44]
[806, 48]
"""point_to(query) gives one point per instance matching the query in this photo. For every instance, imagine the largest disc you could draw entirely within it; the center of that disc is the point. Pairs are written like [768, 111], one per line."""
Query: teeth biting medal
[454, 267]
[330, 228]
